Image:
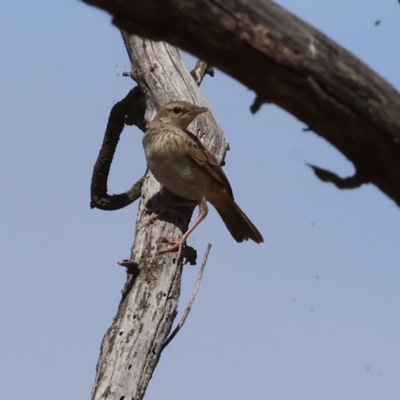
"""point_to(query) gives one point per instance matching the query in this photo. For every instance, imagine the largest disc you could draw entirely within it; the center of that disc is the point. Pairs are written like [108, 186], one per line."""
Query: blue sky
[313, 313]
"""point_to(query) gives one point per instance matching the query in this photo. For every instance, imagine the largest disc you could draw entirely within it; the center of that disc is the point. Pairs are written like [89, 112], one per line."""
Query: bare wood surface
[286, 62]
[132, 345]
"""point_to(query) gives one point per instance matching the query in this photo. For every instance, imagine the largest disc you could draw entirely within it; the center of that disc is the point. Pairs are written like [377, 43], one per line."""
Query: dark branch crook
[130, 111]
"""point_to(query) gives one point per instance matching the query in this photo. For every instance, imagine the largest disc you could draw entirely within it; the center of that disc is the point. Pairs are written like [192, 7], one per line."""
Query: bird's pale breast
[171, 165]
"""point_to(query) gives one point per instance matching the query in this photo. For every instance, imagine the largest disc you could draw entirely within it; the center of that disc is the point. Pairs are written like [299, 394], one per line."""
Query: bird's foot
[173, 208]
[154, 214]
[184, 251]
[175, 245]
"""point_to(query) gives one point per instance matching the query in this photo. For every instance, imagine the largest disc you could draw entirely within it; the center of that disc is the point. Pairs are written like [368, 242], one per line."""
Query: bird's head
[179, 113]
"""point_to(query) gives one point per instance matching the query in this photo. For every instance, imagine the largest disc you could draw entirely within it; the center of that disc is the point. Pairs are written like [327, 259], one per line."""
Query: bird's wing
[207, 161]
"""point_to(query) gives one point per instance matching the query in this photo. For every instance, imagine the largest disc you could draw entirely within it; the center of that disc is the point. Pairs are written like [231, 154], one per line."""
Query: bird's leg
[165, 201]
[172, 207]
[154, 213]
[178, 245]
[155, 206]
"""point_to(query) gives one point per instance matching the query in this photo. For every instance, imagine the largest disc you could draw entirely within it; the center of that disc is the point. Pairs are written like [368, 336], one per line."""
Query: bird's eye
[177, 110]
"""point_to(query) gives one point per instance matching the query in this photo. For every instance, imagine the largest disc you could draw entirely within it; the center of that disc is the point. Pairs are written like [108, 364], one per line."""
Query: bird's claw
[154, 214]
[184, 251]
[174, 245]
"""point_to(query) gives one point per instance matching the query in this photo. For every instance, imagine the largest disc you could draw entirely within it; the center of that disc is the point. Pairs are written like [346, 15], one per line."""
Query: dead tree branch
[99, 198]
[191, 300]
[287, 62]
[132, 346]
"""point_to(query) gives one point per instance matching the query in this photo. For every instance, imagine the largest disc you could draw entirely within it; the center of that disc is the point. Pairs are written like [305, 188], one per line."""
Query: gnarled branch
[287, 62]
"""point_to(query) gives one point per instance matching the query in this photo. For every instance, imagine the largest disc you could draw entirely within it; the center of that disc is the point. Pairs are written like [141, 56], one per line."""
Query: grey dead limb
[191, 300]
[132, 346]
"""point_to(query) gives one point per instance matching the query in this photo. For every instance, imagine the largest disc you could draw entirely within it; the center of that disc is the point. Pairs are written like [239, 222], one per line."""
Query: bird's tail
[237, 222]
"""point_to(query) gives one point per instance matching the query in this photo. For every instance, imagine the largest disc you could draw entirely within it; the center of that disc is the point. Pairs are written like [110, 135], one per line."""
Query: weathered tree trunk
[287, 62]
[132, 345]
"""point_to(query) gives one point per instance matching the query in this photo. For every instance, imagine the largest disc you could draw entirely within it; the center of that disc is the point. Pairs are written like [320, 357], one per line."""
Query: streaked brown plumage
[180, 162]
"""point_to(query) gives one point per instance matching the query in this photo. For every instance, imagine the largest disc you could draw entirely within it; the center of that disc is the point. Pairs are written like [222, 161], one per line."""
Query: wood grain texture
[287, 62]
[132, 345]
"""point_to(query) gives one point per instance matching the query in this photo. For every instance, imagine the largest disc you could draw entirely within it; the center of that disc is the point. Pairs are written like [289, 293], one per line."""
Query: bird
[180, 162]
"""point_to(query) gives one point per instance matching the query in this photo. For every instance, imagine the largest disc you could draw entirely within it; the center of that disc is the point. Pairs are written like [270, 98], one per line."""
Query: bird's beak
[199, 110]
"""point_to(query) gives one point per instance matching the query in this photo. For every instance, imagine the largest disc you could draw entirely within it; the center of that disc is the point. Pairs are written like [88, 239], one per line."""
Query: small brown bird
[180, 162]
